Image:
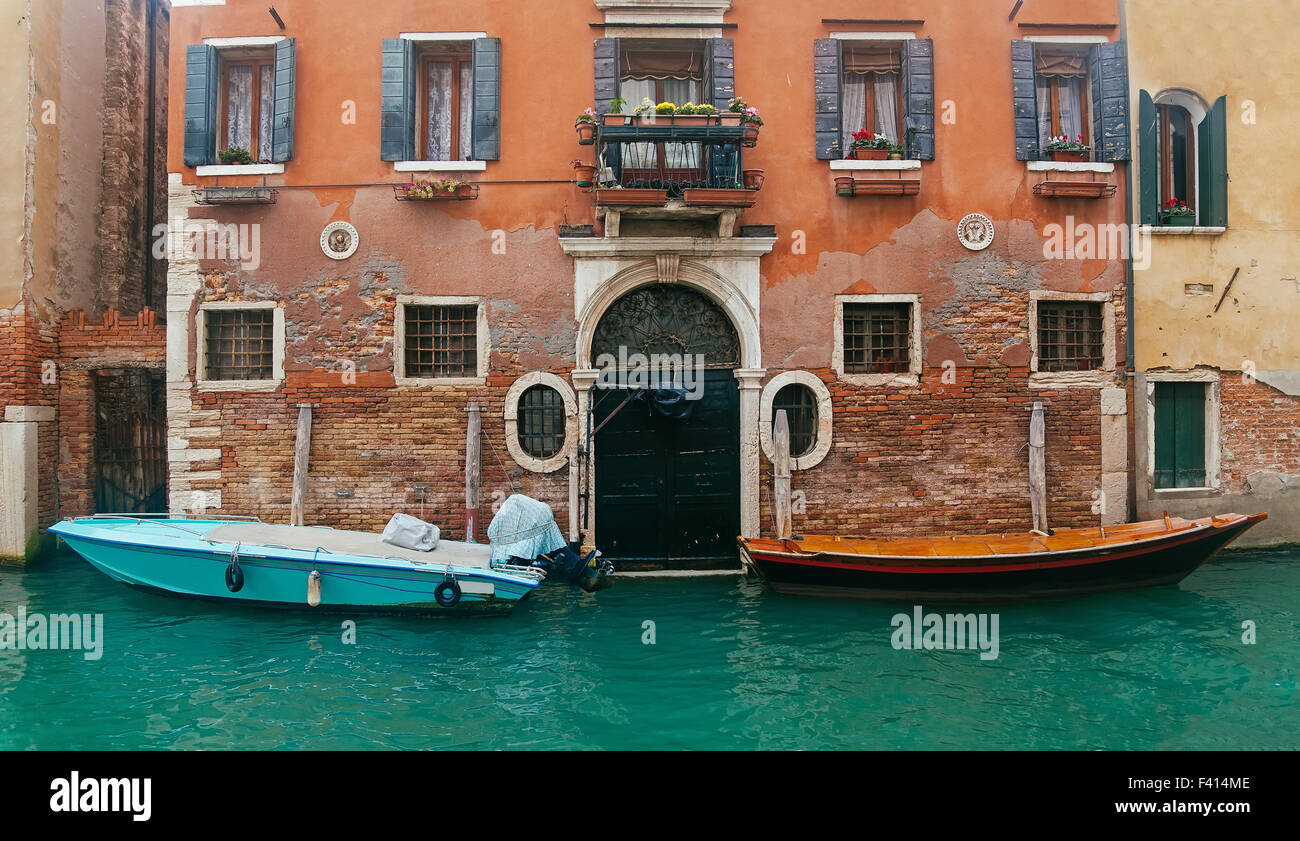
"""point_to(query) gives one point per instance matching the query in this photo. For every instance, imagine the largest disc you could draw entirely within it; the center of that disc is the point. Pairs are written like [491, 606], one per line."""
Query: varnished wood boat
[994, 567]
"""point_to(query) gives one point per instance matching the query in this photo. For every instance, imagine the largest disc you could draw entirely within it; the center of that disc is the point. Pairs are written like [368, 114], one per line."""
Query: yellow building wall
[1243, 50]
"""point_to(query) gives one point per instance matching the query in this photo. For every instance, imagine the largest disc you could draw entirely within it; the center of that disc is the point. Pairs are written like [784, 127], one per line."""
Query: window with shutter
[440, 100]
[880, 87]
[1180, 441]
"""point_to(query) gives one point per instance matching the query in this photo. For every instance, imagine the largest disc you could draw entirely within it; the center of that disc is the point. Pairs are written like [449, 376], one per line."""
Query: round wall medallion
[338, 240]
[975, 231]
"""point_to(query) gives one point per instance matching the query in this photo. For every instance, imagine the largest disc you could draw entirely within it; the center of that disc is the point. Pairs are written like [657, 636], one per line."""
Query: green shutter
[719, 72]
[486, 125]
[605, 74]
[918, 98]
[1108, 69]
[1212, 154]
[397, 100]
[200, 104]
[1180, 435]
[282, 118]
[1148, 157]
[826, 97]
[1024, 100]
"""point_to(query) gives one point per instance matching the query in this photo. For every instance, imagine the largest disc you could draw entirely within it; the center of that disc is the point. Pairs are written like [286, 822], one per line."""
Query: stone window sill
[434, 382]
[1185, 493]
[439, 166]
[874, 165]
[1069, 166]
[239, 169]
[1072, 379]
[238, 385]
[1181, 231]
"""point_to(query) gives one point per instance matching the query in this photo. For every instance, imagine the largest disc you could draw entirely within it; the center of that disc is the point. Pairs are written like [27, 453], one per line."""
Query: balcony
[672, 170]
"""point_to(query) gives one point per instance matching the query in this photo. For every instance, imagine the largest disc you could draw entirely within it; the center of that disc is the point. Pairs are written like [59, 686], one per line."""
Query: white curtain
[886, 90]
[239, 108]
[1069, 92]
[1043, 89]
[265, 114]
[633, 91]
[437, 143]
[853, 107]
[466, 110]
[682, 155]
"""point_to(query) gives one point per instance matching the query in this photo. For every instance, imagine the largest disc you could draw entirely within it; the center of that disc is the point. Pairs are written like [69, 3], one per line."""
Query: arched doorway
[667, 462]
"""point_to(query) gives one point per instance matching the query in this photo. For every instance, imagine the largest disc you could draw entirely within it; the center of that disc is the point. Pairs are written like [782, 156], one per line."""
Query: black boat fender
[447, 593]
[234, 575]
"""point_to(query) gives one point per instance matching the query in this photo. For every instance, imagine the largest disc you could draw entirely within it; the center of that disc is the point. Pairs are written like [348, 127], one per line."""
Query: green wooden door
[1180, 435]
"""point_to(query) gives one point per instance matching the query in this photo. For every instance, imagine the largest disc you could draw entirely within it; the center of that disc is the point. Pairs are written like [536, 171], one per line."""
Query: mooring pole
[472, 430]
[301, 450]
[781, 504]
[1038, 468]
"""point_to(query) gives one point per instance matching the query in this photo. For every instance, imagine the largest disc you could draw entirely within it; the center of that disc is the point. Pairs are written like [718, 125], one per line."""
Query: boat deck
[344, 542]
[987, 545]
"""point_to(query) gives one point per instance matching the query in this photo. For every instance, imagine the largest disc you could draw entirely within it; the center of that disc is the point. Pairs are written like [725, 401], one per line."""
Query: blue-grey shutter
[1148, 161]
[397, 100]
[1108, 78]
[486, 126]
[1212, 154]
[918, 98]
[200, 104]
[1024, 100]
[720, 72]
[719, 90]
[606, 74]
[826, 98]
[286, 53]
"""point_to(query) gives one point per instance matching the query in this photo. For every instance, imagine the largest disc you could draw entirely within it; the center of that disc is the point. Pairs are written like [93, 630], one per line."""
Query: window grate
[1069, 336]
[541, 421]
[800, 405]
[877, 338]
[441, 341]
[239, 344]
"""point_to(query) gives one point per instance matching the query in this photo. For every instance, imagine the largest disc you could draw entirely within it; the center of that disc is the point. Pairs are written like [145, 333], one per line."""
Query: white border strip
[249, 41]
[1068, 39]
[442, 36]
[874, 36]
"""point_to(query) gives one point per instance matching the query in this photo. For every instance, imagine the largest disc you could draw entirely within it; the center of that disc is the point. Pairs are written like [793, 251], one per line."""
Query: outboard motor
[524, 532]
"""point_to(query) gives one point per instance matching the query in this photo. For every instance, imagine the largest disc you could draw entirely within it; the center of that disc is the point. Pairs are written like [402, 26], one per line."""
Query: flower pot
[895, 156]
[465, 191]
[1187, 220]
[693, 120]
[868, 154]
[584, 174]
[586, 133]
[753, 179]
[696, 196]
[751, 134]
[1075, 157]
[632, 196]
[731, 118]
[614, 119]
[844, 185]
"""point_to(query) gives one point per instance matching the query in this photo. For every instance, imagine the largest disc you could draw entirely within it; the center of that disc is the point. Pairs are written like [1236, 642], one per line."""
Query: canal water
[732, 665]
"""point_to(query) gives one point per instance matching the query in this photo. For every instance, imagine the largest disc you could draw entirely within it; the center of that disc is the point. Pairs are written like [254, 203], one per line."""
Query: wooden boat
[247, 561]
[994, 567]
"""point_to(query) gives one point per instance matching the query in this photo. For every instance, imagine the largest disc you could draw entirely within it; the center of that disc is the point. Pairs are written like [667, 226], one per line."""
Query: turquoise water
[733, 666]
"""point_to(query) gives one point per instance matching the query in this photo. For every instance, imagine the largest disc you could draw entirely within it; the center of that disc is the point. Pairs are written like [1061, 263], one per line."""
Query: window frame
[424, 57]
[511, 417]
[1095, 378]
[482, 340]
[1213, 431]
[869, 112]
[258, 61]
[1164, 157]
[277, 347]
[825, 417]
[916, 348]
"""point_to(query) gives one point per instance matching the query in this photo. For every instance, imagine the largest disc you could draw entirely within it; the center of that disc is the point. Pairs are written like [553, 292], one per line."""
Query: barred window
[441, 340]
[541, 421]
[877, 338]
[239, 344]
[800, 405]
[1069, 336]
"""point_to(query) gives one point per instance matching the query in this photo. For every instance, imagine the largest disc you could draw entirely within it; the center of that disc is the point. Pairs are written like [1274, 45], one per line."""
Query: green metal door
[668, 490]
[1180, 435]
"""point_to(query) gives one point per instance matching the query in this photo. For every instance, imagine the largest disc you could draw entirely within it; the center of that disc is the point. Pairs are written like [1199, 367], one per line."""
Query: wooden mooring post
[781, 505]
[301, 450]
[472, 433]
[1038, 468]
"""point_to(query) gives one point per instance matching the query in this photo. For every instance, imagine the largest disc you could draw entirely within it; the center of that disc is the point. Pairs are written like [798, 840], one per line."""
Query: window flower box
[1176, 214]
[697, 196]
[1062, 148]
[234, 195]
[440, 190]
[631, 196]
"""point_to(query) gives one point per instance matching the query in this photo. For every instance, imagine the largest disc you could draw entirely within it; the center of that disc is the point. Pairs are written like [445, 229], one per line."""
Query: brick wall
[1260, 431]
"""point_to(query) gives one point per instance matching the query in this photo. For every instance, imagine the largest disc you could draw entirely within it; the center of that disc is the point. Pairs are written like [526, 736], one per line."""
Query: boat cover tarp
[410, 533]
[344, 542]
[523, 528]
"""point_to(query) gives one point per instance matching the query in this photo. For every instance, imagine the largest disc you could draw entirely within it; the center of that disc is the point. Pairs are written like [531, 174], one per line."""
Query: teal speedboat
[248, 561]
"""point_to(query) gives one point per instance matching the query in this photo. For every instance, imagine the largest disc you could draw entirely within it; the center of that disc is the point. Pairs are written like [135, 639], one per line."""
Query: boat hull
[278, 576]
[1145, 563]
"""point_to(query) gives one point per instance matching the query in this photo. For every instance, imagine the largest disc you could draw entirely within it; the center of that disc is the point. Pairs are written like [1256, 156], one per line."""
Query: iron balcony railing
[668, 155]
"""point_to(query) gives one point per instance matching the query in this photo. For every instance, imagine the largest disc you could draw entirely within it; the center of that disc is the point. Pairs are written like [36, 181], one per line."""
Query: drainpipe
[1131, 317]
[150, 166]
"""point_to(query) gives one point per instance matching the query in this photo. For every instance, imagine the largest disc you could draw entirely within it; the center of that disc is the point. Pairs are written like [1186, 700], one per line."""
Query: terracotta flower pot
[614, 119]
[731, 118]
[753, 179]
[584, 174]
[586, 133]
[751, 134]
[868, 154]
[1076, 157]
[632, 196]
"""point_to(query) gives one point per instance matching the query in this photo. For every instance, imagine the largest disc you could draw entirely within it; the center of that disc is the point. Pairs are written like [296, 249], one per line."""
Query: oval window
[541, 421]
[800, 406]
